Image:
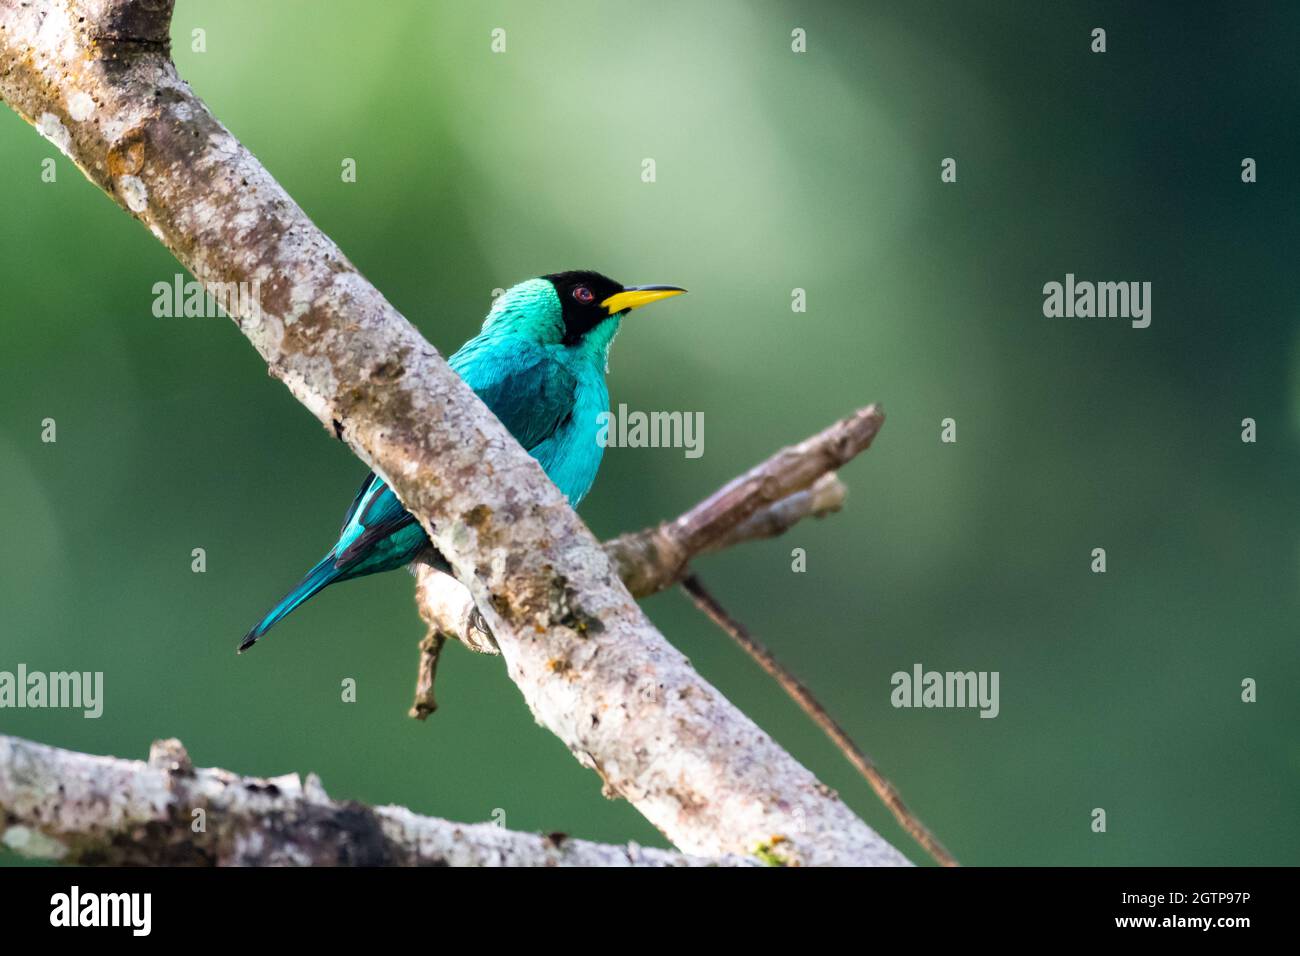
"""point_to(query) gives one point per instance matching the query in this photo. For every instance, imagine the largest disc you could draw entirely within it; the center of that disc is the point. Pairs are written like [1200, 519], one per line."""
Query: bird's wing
[532, 397]
[375, 515]
[356, 502]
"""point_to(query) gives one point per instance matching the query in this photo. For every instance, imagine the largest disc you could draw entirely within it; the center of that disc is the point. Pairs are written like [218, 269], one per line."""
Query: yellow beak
[633, 297]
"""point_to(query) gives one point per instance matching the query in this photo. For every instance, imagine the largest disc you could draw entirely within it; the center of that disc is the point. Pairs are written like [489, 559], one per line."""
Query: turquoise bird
[539, 363]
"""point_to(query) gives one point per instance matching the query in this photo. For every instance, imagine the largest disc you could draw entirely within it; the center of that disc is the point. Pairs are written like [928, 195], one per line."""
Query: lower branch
[77, 808]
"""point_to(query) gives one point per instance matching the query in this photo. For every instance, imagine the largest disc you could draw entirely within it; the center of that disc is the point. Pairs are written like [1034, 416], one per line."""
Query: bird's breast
[572, 456]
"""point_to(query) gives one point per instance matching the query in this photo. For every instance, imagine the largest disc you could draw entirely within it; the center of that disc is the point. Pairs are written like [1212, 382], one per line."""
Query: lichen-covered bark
[76, 808]
[797, 482]
[95, 78]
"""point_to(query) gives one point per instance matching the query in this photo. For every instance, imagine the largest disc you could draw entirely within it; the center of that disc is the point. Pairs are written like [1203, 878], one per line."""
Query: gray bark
[76, 808]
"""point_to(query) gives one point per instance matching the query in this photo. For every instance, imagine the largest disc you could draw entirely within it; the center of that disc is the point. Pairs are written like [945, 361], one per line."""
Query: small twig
[430, 651]
[448, 611]
[802, 696]
[796, 482]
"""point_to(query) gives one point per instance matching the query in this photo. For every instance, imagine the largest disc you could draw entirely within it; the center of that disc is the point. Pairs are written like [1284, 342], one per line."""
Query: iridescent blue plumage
[539, 364]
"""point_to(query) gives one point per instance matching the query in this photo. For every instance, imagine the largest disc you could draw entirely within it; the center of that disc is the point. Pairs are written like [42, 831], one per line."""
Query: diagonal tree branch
[76, 808]
[797, 482]
[95, 78]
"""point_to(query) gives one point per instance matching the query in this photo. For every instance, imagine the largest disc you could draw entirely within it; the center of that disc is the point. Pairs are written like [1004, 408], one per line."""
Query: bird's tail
[319, 577]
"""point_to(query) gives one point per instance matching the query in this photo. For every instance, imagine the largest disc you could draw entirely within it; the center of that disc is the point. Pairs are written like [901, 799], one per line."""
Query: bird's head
[570, 308]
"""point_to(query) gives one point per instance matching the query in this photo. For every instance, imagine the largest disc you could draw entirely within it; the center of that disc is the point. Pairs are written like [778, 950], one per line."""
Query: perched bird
[539, 363]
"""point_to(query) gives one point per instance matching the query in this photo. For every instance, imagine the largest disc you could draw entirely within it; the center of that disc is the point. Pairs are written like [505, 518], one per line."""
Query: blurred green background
[775, 170]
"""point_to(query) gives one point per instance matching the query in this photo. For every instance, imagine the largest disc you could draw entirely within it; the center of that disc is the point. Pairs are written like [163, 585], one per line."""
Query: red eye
[583, 294]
